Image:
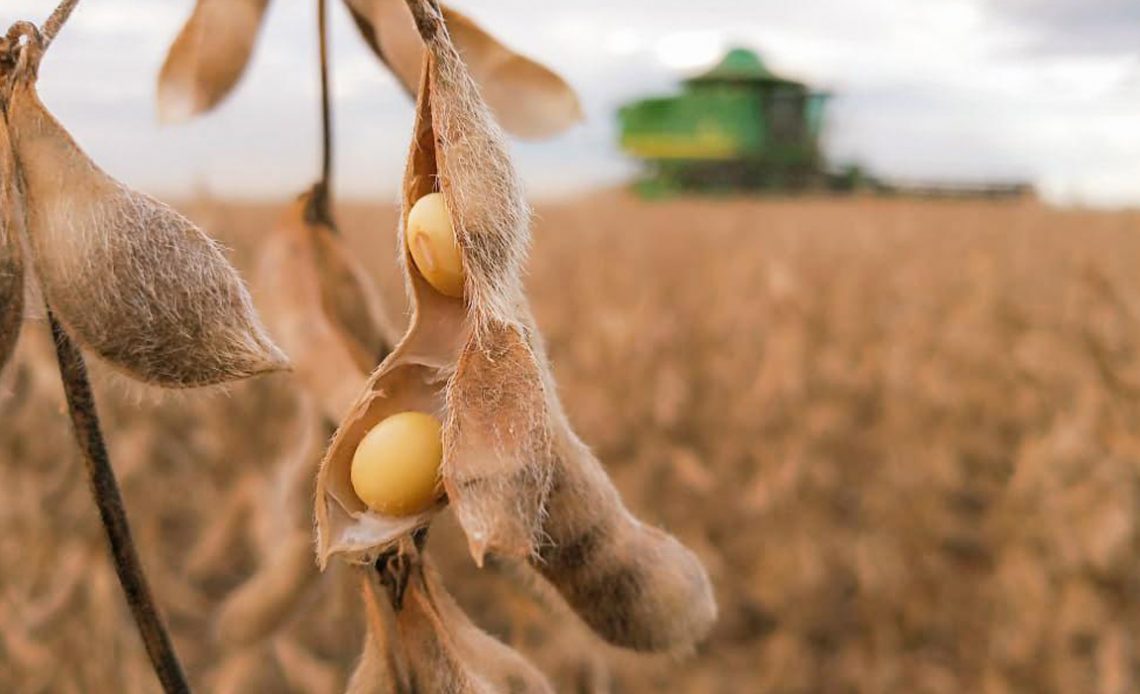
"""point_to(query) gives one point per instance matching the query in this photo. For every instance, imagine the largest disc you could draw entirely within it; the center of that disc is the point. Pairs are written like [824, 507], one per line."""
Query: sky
[1046, 91]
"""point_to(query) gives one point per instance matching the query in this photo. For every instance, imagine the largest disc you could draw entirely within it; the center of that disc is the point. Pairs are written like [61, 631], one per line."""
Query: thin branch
[322, 197]
[105, 489]
[57, 19]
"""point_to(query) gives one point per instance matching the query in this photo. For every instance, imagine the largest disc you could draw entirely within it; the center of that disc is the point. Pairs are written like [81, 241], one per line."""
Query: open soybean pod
[467, 361]
[130, 278]
[530, 100]
[208, 57]
[319, 304]
[425, 643]
[519, 480]
[11, 252]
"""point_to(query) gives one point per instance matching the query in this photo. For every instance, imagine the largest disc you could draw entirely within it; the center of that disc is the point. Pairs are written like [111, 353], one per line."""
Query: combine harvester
[741, 128]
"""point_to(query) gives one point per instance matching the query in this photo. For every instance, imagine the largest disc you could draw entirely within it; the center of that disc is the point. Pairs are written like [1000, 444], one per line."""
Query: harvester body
[737, 126]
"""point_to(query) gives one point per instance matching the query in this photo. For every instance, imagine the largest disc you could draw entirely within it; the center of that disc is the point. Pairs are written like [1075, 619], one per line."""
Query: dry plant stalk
[518, 478]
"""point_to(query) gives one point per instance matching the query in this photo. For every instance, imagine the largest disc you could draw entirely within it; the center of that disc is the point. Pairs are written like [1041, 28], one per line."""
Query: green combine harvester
[741, 128]
[736, 127]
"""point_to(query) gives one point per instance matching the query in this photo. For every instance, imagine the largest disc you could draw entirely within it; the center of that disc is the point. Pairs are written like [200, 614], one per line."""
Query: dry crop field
[903, 436]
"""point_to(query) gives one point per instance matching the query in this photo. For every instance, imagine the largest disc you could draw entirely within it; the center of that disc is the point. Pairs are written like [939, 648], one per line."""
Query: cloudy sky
[931, 90]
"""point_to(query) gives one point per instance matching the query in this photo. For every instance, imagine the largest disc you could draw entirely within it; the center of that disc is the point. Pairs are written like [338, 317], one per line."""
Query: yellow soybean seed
[395, 469]
[431, 241]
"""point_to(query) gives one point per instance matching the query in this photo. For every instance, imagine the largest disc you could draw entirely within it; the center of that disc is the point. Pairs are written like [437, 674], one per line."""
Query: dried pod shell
[495, 468]
[319, 305]
[345, 524]
[517, 477]
[498, 458]
[350, 300]
[434, 647]
[11, 252]
[208, 57]
[130, 278]
[530, 100]
[634, 585]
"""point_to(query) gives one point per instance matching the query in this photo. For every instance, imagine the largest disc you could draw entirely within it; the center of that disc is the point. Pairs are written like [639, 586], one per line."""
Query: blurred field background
[901, 434]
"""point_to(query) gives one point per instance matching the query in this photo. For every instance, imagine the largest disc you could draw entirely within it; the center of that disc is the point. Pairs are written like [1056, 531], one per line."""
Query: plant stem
[57, 19]
[428, 17]
[105, 489]
[323, 194]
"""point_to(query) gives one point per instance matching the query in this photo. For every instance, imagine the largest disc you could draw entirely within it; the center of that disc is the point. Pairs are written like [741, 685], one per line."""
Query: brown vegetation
[900, 435]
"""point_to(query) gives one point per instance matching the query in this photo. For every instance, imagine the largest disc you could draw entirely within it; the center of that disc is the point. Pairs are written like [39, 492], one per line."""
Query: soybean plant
[123, 276]
[518, 479]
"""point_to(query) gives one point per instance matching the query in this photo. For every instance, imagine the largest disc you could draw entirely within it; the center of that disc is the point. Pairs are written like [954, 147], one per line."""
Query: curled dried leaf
[129, 277]
[11, 252]
[320, 306]
[208, 57]
[434, 647]
[530, 100]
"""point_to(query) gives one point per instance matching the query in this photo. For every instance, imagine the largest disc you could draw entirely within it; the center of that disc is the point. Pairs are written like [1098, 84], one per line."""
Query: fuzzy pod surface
[530, 100]
[427, 643]
[11, 251]
[131, 279]
[320, 306]
[495, 467]
[208, 57]
[520, 482]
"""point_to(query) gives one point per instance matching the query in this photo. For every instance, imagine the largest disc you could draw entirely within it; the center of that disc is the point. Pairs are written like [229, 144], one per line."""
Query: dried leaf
[11, 252]
[208, 57]
[528, 99]
[318, 303]
[129, 277]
